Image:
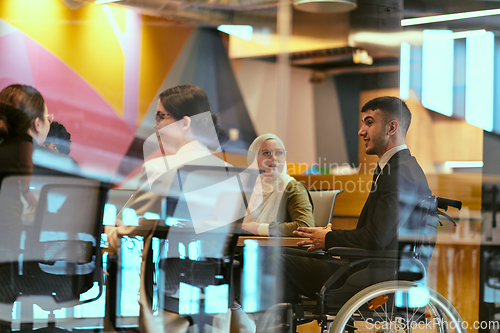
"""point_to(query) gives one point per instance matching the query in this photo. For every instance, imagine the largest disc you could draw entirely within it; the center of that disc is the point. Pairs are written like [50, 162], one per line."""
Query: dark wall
[348, 88]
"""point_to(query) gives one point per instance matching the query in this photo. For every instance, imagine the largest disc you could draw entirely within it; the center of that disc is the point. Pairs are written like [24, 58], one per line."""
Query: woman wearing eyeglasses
[279, 204]
[23, 120]
[28, 100]
[185, 129]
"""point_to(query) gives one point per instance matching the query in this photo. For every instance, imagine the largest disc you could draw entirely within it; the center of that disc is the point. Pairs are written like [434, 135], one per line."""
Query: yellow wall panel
[119, 15]
[82, 38]
[161, 44]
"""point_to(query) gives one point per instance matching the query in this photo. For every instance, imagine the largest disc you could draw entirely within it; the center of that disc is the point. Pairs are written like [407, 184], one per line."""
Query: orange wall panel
[162, 42]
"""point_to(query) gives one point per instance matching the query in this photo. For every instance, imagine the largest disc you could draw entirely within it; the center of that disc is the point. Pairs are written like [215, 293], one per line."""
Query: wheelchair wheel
[397, 307]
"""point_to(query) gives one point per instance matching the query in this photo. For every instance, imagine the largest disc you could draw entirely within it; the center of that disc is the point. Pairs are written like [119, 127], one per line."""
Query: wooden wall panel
[454, 273]
[356, 189]
[465, 187]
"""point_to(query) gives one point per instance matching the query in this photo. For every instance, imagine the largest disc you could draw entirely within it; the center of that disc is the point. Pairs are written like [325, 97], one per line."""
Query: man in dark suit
[399, 185]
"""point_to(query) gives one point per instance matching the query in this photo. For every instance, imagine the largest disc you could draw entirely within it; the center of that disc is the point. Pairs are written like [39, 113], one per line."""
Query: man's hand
[316, 237]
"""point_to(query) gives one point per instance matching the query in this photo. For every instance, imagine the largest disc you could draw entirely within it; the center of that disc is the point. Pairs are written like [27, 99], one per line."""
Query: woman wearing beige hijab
[279, 204]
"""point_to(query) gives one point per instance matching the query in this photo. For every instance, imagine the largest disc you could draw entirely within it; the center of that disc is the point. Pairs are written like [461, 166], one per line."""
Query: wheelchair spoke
[385, 310]
[376, 312]
[422, 314]
[361, 315]
[388, 319]
[407, 314]
[410, 319]
[393, 305]
[358, 327]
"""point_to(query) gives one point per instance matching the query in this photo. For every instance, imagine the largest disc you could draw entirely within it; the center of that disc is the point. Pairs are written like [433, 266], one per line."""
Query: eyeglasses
[277, 153]
[159, 116]
[162, 116]
[50, 117]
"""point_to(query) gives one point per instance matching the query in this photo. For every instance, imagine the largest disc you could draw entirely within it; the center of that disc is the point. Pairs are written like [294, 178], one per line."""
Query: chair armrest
[351, 252]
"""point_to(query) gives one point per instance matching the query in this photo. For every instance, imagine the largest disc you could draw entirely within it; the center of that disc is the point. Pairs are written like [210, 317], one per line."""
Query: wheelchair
[380, 291]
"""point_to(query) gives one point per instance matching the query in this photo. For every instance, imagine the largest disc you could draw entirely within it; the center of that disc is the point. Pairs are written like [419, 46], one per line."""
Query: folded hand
[316, 237]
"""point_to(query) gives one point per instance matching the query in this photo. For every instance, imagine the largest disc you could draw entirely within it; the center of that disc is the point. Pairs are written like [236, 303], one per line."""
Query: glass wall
[266, 68]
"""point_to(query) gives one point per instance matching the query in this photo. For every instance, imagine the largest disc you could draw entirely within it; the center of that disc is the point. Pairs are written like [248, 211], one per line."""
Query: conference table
[271, 241]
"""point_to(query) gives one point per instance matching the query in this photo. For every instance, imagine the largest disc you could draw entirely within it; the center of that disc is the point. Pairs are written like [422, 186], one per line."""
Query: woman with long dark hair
[31, 103]
[24, 119]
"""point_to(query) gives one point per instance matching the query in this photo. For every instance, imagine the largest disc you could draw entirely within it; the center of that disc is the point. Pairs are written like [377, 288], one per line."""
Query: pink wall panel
[100, 137]
[14, 62]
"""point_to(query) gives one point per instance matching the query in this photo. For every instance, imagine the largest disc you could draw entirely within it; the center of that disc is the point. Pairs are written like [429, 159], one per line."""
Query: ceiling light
[100, 2]
[463, 164]
[325, 6]
[241, 31]
[449, 17]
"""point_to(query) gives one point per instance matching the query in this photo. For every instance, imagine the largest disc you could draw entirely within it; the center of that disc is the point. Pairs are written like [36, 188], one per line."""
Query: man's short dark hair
[393, 108]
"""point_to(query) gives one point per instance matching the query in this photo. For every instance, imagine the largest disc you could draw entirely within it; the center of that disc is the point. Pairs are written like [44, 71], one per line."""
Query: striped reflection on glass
[479, 80]
[404, 71]
[251, 276]
[437, 71]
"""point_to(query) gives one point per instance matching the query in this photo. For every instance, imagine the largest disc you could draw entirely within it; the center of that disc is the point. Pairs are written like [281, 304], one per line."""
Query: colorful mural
[101, 68]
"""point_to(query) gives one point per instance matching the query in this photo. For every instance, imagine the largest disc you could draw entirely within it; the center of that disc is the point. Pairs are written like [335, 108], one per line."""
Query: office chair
[61, 259]
[204, 208]
[324, 202]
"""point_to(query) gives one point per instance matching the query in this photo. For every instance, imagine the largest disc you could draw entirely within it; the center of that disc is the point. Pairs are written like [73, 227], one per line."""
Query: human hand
[30, 199]
[316, 237]
[251, 227]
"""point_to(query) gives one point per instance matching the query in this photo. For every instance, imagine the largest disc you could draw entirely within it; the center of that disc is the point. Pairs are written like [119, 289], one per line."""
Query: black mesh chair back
[202, 237]
[61, 256]
[65, 240]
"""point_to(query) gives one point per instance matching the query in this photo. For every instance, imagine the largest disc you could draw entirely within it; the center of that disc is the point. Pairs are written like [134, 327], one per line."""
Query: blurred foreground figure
[24, 122]
[185, 129]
